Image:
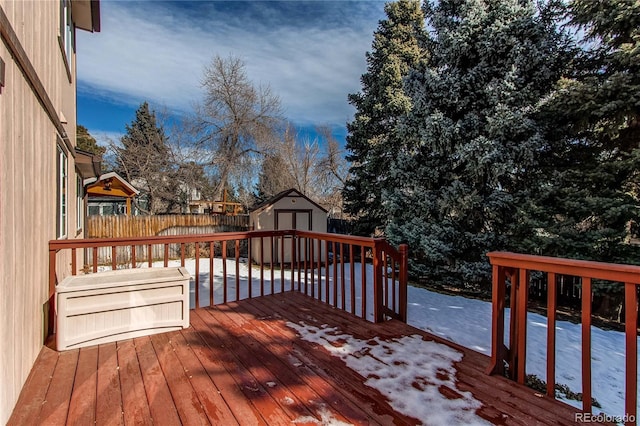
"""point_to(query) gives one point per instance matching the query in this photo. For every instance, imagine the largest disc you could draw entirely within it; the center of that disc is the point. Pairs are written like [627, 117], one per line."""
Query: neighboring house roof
[287, 193]
[105, 182]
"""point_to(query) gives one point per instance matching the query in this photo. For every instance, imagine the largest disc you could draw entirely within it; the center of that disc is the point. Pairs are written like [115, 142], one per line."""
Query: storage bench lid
[125, 277]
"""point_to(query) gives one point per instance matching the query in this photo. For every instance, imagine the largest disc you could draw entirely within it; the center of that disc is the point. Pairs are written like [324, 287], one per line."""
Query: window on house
[66, 32]
[79, 203]
[61, 191]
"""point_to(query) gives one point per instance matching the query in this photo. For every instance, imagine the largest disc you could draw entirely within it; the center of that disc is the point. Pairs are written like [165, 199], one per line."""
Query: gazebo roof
[110, 185]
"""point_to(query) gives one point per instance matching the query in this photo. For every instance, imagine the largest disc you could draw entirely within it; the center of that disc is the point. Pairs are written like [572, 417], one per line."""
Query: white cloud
[106, 138]
[311, 54]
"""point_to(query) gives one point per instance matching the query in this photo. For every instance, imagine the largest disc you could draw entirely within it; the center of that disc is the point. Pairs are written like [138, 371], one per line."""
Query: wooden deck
[241, 364]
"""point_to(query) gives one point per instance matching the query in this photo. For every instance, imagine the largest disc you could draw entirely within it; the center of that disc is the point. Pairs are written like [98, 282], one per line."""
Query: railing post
[497, 321]
[404, 278]
[551, 334]
[377, 283]
[586, 345]
[631, 367]
[51, 323]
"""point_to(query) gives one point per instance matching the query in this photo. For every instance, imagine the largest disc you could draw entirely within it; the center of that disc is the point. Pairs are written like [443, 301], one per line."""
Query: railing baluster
[586, 344]
[150, 255]
[224, 271]
[327, 293]
[197, 289]
[282, 264]
[404, 278]
[166, 255]
[335, 275]
[94, 254]
[261, 266]
[299, 251]
[393, 285]
[523, 293]
[133, 256]
[306, 265]
[237, 270]
[182, 249]
[513, 325]
[363, 308]
[342, 283]
[272, 259]
[249, 268]
[114, 260]
[385, 279]
[377, 284]
[631, 361]
[352, 279]
[294, 261]
[312, 260]
[74, 266]
[319, 266]
[212, 255]
[551, 334]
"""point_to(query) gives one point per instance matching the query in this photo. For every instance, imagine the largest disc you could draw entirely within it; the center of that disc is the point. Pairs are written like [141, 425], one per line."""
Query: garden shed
[289, 209]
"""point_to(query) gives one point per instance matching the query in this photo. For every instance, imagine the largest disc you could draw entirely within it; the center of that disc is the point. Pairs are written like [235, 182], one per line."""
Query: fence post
[404, 278]
[377, 282]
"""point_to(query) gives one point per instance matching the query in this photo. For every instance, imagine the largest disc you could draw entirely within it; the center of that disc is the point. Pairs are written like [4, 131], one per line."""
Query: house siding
[28, 138]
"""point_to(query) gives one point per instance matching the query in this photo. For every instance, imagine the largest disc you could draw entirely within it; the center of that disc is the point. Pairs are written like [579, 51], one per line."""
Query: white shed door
[289, 219]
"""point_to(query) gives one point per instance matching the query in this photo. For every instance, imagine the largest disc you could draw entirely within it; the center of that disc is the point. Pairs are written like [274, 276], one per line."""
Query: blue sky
[311, 53]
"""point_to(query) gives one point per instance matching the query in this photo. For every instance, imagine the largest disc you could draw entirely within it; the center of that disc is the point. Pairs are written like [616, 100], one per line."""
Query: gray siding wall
[27, 187]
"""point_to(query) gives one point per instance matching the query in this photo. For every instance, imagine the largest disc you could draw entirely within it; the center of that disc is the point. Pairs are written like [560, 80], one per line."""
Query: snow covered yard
[458, 319]
[468, 323]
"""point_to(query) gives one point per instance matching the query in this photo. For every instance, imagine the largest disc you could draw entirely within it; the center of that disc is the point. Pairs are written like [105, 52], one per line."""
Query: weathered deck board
[240, 363]
[83, 397]
[134, 399]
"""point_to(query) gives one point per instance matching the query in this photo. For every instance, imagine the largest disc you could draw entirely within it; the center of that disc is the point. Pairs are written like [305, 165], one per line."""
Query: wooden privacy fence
[316, 264]
[147, 226]
[515, 269]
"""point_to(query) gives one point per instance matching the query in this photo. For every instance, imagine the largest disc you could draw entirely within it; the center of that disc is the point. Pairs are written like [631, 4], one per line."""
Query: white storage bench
[116, 305]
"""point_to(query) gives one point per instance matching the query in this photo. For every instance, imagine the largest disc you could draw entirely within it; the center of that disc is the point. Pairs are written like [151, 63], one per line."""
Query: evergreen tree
[395, 51]
[591, 194]
[472, 137]
[144, 159]
[274, 178]
[86, 142]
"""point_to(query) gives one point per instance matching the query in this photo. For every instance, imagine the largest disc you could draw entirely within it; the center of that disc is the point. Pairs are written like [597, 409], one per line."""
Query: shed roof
[281, 195]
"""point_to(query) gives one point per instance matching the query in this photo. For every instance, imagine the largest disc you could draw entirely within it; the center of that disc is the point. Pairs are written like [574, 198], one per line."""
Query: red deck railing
[316, 264]
[517, 268]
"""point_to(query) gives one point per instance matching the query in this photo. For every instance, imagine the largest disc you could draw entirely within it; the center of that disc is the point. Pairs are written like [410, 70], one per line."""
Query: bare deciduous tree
[316, 168]
[236, 120]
